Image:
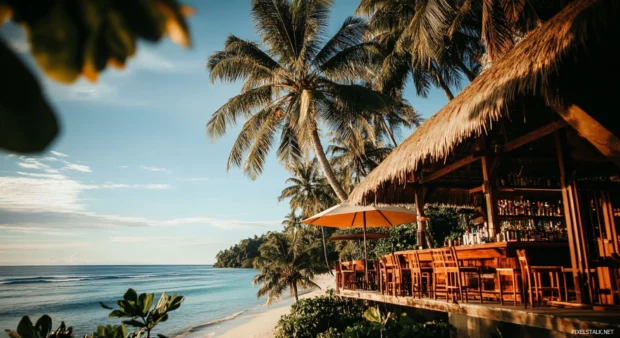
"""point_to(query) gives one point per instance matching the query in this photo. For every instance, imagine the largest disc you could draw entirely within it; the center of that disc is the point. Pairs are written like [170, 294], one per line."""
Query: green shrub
[137, 309]
[378, 325]
[325, 316]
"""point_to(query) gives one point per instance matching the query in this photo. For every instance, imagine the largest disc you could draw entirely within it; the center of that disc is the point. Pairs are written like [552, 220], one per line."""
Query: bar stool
[394, 275]
[532, 276]
[514, 276]
[463, 273]
[570, 288]
[347, 271]
[386, 274]
[338, 268]
[403, 274]
[420, 276]
[446, 274]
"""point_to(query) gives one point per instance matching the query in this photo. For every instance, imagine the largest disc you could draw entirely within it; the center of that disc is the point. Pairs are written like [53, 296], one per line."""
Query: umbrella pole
[365, 254]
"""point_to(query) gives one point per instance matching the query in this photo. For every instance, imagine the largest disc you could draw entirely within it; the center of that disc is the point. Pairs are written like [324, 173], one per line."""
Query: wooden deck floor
[556, 319]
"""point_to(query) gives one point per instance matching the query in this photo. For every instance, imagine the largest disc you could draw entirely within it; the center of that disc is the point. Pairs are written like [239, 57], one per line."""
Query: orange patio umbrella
[347, 215]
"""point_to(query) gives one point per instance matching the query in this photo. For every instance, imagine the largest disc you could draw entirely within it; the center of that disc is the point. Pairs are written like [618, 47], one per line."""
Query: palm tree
[292, 222]
[408, 31]
[307, 189]
[355, 161]
[293, 83]
[285, 262]
[309, 192]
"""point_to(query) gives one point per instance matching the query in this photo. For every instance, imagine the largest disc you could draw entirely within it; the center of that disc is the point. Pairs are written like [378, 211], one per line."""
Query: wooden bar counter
[504, 254]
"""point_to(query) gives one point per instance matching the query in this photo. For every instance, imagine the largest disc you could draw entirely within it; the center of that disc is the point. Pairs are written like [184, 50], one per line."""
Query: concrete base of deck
[495, 320]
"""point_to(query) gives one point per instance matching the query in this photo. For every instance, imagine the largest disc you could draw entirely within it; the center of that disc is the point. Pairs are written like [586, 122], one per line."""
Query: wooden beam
[450, 168]
[475, 190]
[419, 207]
[489, 197]
[572, 246]
[533, 135]
[587, 127]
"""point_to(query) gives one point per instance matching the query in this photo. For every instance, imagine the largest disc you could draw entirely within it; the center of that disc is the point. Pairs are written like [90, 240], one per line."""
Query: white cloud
[32, 163]
[196, 179]
[49, 159]
[77, 167]
[154, 169]
[34, 193]
[152, 61]
[52, 192]
[124, 166]
[59, 154]
[129, 186]
[52, 176]
[41, 246]
[78, 219]
[33, 229]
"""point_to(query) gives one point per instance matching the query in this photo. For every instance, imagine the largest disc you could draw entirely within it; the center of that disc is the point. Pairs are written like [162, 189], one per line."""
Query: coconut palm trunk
[325, 251]
[389, 133]
[443, 85]
[295, 292]
[327, 169]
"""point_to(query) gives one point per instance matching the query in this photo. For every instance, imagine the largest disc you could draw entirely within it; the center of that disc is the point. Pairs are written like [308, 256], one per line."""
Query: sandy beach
[264, 324]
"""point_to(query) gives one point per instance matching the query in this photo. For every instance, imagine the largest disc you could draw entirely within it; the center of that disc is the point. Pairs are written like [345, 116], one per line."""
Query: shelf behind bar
[525, 189]
[524, 217]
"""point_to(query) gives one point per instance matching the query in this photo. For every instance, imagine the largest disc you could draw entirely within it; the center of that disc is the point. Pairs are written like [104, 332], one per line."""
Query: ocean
[216, 300]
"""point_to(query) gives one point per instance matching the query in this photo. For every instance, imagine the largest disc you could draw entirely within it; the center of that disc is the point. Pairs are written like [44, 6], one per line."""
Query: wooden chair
[420, 276]
[403, 275]
[446, 274]
[532, 279]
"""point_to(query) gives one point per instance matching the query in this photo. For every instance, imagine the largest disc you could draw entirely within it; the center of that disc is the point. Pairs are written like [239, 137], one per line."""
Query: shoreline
[263, 325]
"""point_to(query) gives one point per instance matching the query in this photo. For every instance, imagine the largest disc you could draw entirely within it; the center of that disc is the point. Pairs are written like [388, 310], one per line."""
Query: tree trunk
[325, 251]
[445, 87]
[389, 133]
[295, 292]
[470, 75]
[327, 169]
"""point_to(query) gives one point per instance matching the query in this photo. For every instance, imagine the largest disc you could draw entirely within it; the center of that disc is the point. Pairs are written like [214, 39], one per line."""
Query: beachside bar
[532, 147]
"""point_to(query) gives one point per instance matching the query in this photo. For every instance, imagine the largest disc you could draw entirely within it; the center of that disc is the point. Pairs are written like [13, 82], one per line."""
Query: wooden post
[571, 222]
[419, 209]
[487, 189]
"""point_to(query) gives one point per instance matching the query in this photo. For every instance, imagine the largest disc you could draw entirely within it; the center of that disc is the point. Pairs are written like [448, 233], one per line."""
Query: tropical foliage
[287, 262]
[240, 255]
[69, 39]
[139, 310]
[379, 325]
[320, 315]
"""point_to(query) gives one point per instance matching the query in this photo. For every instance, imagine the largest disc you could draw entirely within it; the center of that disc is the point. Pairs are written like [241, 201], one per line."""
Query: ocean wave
[65, 279]
[209, 323]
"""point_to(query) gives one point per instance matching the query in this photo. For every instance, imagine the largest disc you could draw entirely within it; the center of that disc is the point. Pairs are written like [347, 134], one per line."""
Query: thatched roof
[527, 70]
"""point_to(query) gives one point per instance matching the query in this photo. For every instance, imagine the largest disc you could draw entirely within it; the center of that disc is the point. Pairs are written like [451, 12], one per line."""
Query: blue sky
[133, 179]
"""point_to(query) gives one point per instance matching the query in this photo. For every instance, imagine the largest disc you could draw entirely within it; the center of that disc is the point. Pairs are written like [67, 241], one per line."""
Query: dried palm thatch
[530, 69]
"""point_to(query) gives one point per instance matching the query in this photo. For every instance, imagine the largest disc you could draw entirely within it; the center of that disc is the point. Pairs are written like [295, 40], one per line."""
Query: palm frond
[262, 142]
[240, 59]
[274, 22]
[350, 34]
[496, 30]
[240, 105]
